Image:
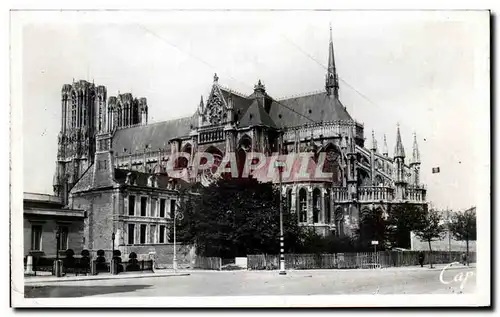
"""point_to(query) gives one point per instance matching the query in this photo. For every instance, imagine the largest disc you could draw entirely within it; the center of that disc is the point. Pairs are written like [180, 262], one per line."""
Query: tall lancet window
[84, 114]
[99, 123]
[126, 116]
[73, 110]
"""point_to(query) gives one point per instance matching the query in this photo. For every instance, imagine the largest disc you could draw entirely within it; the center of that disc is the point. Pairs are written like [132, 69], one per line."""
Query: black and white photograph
[250, 158]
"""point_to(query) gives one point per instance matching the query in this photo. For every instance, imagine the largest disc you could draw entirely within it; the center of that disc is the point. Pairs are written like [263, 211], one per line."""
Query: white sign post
[375, 243]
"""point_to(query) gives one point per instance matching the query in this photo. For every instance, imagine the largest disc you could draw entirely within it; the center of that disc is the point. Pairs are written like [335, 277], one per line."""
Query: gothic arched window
[74, 103]
[289, 199]
[302, 205]
[339, 221]
[316, 204]
[327, 206]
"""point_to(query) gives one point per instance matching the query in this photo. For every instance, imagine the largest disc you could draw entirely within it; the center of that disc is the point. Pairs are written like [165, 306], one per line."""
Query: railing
[360, 260]
[324, 129]
[375, 193]
[211, 136]
[209, 263]
[415, 194]
[134, 265]
[74, 265]
[340, 194]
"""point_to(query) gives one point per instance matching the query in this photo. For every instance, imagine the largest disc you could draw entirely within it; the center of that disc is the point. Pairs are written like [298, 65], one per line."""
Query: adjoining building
[44, 215]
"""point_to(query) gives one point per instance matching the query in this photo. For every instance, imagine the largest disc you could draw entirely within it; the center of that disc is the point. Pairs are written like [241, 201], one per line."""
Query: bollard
[93, 268]
[58, 267]
[29, 264]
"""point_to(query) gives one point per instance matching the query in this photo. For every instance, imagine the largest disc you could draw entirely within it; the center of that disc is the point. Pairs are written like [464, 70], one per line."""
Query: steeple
[416, 152]
[332, 80]
[399, 151]
[374, 142]
[201, 106]
[385, 149]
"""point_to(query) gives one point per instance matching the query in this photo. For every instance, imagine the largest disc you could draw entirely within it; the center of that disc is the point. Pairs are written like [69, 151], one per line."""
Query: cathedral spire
[416, 152]
[374, 142]
[399, 150]
[385, 149]
[332, 81]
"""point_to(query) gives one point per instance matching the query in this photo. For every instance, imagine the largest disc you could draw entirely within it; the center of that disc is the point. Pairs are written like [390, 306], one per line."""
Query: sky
[427, 71]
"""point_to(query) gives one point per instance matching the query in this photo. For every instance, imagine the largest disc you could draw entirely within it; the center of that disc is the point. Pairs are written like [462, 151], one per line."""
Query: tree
[463, 227]
[432, 228]
[372, 226]
[236, 217]
[402, 219]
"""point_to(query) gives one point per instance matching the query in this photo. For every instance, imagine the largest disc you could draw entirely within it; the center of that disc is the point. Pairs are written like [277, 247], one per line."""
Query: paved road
[314, 282]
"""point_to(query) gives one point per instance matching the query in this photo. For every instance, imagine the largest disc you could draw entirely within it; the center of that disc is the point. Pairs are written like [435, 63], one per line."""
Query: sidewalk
[435, 267]
[33, 280]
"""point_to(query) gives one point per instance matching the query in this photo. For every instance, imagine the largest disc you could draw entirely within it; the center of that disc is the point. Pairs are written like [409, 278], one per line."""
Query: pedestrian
[464, 259]
[421, 257]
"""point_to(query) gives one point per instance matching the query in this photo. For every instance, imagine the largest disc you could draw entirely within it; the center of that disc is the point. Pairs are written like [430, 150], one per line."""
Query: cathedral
[112, 162]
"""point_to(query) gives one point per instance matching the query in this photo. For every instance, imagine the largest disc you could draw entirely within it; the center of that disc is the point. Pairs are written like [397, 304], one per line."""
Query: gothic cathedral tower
[83, 115]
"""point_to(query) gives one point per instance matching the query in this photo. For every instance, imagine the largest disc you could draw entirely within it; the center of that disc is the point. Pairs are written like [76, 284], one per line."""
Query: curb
[98, 278]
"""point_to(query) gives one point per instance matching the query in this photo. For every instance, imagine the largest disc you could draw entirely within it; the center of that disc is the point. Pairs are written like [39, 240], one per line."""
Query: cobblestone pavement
[307, 282]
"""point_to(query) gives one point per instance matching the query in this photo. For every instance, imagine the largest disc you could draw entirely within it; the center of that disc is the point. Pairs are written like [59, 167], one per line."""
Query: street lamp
[280, 165]
[113, 244]
[58, 239]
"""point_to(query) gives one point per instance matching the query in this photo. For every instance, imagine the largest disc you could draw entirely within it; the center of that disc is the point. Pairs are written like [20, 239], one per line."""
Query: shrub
[85, 253]
[100, 252]
[70, 253]
[117, 253]
[132, 255]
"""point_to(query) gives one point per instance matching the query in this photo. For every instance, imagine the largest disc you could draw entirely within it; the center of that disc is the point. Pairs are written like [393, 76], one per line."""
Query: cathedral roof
[256, 115]
[303, 110]
[154, 135]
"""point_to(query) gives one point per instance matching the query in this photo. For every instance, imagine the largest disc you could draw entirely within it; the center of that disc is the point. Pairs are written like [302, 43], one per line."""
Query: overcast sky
[425, 70]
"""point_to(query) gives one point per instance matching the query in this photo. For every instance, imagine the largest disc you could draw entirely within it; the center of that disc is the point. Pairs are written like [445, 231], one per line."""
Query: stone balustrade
[415, 194]
[375, 193]
[340, 194]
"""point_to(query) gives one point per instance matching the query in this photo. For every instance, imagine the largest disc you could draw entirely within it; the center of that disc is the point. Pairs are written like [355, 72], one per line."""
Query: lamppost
[280, 165]
[58, 240]
[174, 264]
[113, 244]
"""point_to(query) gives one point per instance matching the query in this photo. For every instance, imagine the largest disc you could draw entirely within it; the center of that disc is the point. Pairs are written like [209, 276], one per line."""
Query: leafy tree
[372, 226]
[463, 227]
[236, 217]
[431, 229]
[402, 219]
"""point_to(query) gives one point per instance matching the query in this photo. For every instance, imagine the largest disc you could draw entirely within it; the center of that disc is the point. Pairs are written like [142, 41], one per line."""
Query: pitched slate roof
[318, 107]
[154, 135]
[249, 111]
[256, 115]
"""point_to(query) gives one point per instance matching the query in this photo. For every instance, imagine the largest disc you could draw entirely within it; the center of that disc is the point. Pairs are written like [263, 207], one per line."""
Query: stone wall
[99, 222]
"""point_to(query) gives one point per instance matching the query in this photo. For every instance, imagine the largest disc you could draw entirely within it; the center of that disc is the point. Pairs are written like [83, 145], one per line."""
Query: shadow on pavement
[77, 291]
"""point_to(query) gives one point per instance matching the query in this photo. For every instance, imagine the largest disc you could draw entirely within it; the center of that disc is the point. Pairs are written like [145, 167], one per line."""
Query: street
[311, 282]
